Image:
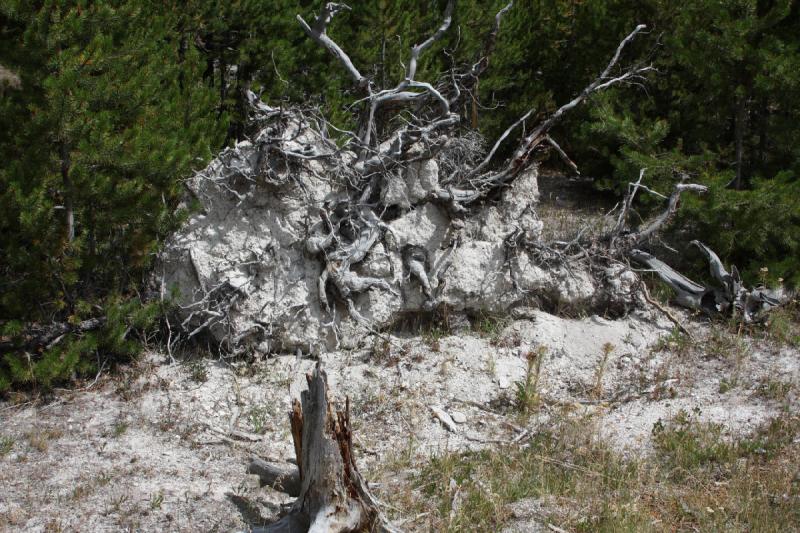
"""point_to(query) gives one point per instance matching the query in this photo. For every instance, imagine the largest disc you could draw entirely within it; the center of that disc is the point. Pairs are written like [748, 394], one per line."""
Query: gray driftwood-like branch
[319, 34]
[728, 297]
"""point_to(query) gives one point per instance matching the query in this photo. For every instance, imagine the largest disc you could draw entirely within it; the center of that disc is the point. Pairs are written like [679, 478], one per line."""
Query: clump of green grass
[490, 326]
[120, 428]
[156, 500]
[676, 342]
[6, 445]
[774, 389]
[259, 417]
[433, 335]
[728, 384]
[697, 479]
[723, 344]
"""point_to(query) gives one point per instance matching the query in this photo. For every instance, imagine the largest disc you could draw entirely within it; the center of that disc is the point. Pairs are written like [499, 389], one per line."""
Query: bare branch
[562, 154]
[491, 40]
[626, 206]
[319, 35]
[672, 207]
[417, 50]
[480, 168]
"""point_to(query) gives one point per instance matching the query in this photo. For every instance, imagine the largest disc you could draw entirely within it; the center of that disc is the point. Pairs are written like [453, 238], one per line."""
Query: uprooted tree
[311, 236]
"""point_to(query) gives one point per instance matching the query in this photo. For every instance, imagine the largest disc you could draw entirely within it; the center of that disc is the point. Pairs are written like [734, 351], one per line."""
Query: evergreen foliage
[95, 143]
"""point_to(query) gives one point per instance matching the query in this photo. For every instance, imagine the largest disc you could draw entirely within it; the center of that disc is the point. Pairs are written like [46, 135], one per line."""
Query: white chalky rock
[246, 252]
[458, 417]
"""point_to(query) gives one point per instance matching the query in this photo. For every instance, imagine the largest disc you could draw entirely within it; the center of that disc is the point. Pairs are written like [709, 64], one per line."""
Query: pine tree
[96, 142]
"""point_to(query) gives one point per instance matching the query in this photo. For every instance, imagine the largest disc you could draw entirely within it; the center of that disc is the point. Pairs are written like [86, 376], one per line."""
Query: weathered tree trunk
[333, 496]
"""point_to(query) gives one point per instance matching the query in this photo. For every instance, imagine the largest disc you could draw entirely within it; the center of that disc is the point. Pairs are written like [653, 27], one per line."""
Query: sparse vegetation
[197, 370]
[490, 326]
[115, 503]
[775, 389]
[698, 479]
[783, 326]
[120, 428]
[676, 342]
[726, 384]
[39, 439]
[156, 500]
[433, 335]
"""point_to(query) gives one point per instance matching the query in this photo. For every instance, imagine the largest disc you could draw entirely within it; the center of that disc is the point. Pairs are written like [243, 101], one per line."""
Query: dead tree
[401, 126]
[332, 496]
[429, 125]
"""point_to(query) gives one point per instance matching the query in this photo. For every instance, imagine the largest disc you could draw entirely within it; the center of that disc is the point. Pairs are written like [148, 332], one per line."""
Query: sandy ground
[164, 447]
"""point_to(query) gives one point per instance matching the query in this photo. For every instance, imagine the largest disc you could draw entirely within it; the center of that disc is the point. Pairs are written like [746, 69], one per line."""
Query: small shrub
[259, 418]
[198, 371]
[80, 354]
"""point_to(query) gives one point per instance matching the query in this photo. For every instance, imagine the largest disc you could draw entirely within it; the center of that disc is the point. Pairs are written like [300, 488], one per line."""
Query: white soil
[156, 450]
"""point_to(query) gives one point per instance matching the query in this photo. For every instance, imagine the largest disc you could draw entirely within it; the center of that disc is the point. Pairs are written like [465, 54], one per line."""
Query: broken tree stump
[333, 496]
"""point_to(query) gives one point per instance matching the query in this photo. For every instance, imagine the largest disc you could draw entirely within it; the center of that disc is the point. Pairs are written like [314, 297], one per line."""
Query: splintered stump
[333, 497]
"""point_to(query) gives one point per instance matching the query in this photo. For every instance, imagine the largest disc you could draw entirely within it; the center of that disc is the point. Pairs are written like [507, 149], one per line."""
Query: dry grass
[39, 439]
[698, 479]
[527, 390]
